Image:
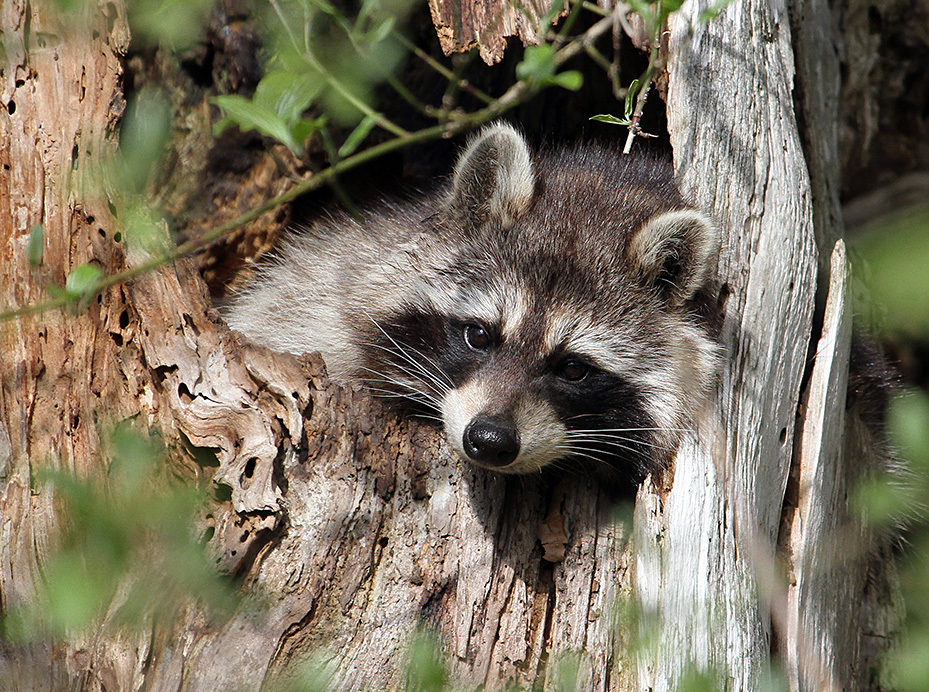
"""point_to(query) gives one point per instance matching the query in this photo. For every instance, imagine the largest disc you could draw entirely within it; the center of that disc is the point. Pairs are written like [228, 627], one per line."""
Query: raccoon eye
[573, 370]
[476, 337]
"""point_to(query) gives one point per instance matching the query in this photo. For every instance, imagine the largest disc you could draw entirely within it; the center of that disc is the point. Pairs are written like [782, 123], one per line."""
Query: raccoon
[547, 308]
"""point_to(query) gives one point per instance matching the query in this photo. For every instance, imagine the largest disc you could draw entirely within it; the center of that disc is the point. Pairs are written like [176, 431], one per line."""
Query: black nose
[491, 441]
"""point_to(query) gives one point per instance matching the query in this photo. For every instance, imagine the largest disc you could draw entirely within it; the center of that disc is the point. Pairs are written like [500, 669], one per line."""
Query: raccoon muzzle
[491, 441]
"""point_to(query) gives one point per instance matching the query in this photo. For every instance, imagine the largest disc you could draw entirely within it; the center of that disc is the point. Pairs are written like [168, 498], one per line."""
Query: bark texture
[352, 528]
[463, 25]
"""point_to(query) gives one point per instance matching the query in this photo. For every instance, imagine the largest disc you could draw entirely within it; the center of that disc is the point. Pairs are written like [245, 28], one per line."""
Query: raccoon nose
[491, 441]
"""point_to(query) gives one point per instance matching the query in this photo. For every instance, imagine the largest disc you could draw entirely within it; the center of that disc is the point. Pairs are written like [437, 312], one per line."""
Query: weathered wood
[61, 376]
[738, 153]
[463, 25]
[827, 546]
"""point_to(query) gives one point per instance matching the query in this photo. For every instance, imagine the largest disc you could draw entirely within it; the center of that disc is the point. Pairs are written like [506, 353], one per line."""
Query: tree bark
[352, 528]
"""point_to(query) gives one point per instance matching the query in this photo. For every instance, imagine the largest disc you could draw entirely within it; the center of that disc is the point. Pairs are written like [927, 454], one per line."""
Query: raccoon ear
[674, 251]
[494, 178]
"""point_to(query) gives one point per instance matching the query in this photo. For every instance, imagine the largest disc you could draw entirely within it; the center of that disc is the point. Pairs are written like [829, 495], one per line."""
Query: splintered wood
[463, 25]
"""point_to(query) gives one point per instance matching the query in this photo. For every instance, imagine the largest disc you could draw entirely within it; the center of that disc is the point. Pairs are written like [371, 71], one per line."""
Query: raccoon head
[554, 315]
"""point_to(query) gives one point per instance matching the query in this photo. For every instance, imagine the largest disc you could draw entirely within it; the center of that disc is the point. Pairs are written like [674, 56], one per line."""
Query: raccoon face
[553, 317]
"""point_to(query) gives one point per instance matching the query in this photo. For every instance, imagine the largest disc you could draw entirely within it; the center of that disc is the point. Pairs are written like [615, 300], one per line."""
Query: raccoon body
[546, 307]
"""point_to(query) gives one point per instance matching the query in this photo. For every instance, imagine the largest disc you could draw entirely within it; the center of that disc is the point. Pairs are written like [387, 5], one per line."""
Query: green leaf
[572, 80]
[382, 31]
[358, 135]
[83, 280]
[631, 94]
[57, 292]
[713, 10]
[610, 120]
[286, 93]
[173, 23]
[36, 245]
[669, 6]
[248, 115]
[326, 7]
[538, 63]
[303, 128]
[538, 68]
[143, 138]
[640, 7]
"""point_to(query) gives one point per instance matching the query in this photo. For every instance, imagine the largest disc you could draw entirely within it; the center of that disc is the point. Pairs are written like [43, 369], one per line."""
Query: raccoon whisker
[635, 446]
[425, 417]
[391, 394]
[563, 463]
[615, 441]
[446, 381]
[631, 450]
[612, 430]
[405, 354]
[383, 377]
[439, 384]
[386, 394]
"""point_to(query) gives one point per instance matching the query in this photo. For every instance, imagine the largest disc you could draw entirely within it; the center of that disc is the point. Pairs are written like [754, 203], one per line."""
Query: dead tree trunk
[354, 528]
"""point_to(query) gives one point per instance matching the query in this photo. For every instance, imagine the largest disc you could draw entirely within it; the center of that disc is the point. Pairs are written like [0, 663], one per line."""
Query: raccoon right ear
[494, 179]
[675, 251]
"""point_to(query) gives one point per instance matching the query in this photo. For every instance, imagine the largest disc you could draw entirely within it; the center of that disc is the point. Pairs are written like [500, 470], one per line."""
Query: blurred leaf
[426, 671]
[881, 501]
[669, 6]
[127, 551]
[572, 80]
[694, 680]
[286, 93]
[70, 6]
[538, 63]
[381, 31]
[773, 679]
[143, 139]
[713, 10]
[565, 673]
[897, 255]
[36, 245]
[249, 115]
[910, 662]
[538, 68]
[311, 675]
[175, 24]
[908, 423]
[83, 280]
[358, 135]
[302, 129]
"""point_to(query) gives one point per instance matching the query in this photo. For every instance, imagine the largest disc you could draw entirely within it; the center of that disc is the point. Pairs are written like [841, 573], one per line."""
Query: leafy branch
[654, 16]
[277, 110]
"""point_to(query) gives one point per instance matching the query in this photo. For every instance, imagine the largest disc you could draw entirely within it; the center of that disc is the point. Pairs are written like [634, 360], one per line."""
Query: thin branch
[462, 84]
[516, 94]
[655, 64]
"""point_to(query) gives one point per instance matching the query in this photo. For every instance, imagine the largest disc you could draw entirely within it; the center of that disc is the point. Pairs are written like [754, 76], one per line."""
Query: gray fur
[578, 251]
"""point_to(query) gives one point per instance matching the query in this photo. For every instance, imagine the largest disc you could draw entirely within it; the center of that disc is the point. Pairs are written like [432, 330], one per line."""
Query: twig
[462, 84]
[516, 94]
[655, 64]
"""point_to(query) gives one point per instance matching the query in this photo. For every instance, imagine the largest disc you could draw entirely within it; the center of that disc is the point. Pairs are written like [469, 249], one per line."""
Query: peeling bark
[462, 26]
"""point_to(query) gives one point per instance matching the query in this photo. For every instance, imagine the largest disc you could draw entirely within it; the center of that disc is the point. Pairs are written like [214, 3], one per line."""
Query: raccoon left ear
[674, 251]
[494, 179]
